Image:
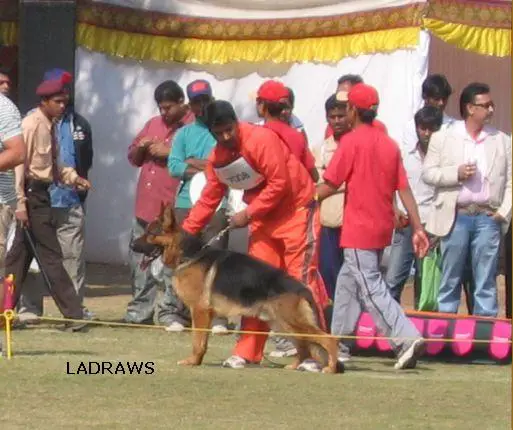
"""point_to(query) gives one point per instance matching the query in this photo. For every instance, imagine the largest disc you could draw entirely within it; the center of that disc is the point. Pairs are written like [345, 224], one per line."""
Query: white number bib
[239, 175]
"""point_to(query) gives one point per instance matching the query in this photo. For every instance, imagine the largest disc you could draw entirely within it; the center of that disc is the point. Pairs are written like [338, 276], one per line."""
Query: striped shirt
[10, 126]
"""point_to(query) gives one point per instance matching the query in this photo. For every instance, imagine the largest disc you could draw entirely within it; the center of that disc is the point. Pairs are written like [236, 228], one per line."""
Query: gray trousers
[145, 286]
[361, 286]
[70, 225]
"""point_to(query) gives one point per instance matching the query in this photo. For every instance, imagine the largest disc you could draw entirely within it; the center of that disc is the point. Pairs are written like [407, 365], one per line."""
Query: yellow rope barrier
[9, 316]
[281, 334]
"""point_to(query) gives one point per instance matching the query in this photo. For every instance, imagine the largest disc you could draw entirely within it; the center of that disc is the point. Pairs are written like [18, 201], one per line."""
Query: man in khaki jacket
[332, 208]
[469, 164]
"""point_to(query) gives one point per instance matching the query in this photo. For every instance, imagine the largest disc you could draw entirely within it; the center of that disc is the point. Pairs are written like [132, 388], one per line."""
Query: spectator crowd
[437, 201]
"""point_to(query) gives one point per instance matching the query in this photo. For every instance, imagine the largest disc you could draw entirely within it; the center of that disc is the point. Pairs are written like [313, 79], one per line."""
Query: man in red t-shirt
[370, 165]
[273, 98]
[345, 83]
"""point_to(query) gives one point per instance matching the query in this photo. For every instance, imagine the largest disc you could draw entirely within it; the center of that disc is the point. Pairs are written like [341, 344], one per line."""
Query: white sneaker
[343, 357]
[235, 362]
[90, 316]
[28, 317]
[309, 365]
[281, 353]
[408, 359]
[175, 327]
[219, 329]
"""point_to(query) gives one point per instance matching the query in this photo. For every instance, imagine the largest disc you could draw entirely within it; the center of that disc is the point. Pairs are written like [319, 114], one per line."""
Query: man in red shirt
[282, 214]
[273, 98]
[149, 152]
[345, 83]
[370, 165]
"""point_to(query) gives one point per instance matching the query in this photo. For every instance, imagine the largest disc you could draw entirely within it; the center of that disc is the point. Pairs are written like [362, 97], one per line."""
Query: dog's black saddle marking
[242, 278]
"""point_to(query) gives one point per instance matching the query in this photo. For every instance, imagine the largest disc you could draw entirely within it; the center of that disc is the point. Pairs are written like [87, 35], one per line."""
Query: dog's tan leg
[330, 346]
[201, 319]
[302, 353]
[297, 315]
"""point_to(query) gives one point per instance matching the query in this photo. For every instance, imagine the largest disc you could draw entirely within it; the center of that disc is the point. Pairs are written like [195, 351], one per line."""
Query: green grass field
[37, 392]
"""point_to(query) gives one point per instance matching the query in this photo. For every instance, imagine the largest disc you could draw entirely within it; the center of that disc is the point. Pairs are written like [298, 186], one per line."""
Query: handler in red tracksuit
[282, 213]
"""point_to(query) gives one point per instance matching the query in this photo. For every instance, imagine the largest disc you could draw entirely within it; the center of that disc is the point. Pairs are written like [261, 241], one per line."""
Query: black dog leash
[157, 252]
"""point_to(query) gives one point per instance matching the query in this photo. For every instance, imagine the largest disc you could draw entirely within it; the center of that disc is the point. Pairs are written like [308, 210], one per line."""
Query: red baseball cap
[363, 96]
[272, 91]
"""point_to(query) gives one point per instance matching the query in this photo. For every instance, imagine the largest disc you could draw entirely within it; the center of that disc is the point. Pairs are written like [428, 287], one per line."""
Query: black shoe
[145, 322]
[73, 327]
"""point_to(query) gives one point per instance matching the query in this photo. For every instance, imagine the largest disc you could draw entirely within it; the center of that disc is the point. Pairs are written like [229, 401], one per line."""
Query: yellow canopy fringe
[482, 40]
[166, 49]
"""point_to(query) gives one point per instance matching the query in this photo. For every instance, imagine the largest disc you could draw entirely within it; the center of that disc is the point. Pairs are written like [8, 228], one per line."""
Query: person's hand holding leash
[239, 220]
[22, 217]
[82, 184]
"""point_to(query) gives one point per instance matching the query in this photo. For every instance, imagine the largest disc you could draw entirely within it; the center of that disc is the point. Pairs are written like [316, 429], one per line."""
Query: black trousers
[44, 236]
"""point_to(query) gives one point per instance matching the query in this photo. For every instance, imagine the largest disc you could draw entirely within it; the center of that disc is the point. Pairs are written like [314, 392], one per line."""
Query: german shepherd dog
[212, 282]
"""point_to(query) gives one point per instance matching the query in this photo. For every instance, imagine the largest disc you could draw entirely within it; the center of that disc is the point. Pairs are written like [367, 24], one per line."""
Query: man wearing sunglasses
[469, 164]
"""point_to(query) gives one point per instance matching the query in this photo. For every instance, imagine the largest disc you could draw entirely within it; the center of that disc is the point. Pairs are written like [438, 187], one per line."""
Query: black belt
[36, 185]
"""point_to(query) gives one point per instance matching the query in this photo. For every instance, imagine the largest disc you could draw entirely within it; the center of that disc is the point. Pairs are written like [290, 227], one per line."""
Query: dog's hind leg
[303, 321]
[201, 319]
[329, 345]
[302, 353]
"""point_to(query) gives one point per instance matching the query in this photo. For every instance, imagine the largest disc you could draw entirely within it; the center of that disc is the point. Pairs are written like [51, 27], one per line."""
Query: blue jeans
[400, 261]
[331, 258]
[479, 236]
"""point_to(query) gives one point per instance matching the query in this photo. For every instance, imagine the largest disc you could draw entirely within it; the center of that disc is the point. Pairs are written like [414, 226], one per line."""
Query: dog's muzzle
[150, 251]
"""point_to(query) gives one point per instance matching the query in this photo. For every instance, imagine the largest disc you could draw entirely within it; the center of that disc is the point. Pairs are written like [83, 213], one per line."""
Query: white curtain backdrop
[116, 96]
[259, 9]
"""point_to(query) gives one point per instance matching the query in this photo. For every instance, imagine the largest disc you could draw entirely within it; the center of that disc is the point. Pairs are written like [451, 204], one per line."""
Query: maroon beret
[51, 87]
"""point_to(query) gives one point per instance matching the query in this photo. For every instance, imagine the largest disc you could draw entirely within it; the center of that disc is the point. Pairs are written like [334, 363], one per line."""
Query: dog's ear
[169, 222]
[163, 207]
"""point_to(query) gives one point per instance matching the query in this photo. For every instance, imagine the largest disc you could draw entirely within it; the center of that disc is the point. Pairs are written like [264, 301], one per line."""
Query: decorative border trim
[176, 26]
[489, 14]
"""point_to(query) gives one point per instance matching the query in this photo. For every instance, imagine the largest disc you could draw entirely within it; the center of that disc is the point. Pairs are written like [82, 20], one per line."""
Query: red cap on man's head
[52, 87]
[272, 91]
[363, 96]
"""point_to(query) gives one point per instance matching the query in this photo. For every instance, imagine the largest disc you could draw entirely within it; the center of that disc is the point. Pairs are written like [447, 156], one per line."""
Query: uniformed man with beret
[33, 212]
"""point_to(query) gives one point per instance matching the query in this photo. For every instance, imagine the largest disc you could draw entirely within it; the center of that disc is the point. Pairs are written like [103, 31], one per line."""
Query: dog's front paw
[191, 361]
[330, 369]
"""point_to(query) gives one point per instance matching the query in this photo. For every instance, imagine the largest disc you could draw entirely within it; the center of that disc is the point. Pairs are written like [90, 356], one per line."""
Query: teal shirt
[191, 141]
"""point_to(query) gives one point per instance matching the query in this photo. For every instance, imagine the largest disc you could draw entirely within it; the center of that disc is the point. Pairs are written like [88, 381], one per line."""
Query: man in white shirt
[469, 164]
[436, 91]
[428, 120]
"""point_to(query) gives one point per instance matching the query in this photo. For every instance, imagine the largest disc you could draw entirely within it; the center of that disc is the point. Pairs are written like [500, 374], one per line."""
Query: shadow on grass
[55, 353]
[107, 291]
